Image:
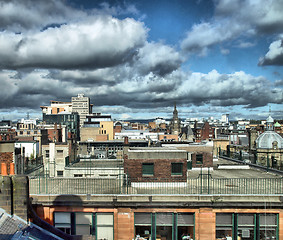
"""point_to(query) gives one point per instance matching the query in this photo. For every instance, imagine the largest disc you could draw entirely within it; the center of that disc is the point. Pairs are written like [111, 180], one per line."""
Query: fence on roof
[202, 185]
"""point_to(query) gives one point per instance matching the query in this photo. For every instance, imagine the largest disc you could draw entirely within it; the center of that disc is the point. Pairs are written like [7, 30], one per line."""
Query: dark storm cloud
[19, 16]
[150, 91]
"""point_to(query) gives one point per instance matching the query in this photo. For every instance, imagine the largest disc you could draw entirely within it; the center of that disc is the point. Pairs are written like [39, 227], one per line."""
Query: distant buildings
[82, 106]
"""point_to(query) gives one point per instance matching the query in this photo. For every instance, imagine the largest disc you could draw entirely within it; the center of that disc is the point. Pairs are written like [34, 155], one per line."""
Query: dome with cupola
[269, 139]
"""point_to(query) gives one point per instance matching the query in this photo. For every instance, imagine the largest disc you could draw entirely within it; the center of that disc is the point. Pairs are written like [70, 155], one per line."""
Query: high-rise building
[82, 106]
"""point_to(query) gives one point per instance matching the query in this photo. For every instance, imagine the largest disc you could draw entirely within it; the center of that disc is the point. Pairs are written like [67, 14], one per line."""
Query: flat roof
[239, 171]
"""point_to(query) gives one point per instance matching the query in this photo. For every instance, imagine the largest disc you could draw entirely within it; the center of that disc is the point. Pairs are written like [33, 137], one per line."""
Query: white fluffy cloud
[275, 54]
[98, 42]
[234, 19]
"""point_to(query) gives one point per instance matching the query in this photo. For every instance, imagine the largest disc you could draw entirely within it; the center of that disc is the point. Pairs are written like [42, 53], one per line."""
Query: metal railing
[124, 185]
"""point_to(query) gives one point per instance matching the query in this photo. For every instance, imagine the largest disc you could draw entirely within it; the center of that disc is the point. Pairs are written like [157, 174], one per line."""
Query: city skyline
[134, 59]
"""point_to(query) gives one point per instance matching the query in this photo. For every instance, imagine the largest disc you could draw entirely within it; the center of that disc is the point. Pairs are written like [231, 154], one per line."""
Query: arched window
[275, 145]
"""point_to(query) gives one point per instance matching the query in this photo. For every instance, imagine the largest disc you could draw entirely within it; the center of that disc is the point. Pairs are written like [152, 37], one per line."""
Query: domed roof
[269, 140]
[277, 124]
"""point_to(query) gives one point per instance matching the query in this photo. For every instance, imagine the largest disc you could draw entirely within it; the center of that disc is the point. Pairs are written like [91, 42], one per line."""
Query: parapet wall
[14, 195]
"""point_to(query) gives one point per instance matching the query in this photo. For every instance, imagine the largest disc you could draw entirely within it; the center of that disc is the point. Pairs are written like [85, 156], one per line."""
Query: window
[224, 225]
[247, 226]
[148, 169]
[85, 224]
[35, 132]
[185, 225]
[268, 226]
[78, 175]
[59, 173]
[176, 168]
[28, 132]
[47, 153]
[199, 159]
[59, 153]
[104, 226]
[164, 225]
[62, 221]
[21, 132]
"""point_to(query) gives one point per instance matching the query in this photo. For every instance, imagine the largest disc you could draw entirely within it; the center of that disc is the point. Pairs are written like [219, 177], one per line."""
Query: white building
[137, 134]
[29, 148]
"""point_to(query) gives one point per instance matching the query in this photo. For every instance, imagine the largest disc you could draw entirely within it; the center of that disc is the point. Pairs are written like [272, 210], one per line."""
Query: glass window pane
[185, 232]
[224, 233]
[245, 219]
[105, 233]
[147, 168]
[185, 219]
[62, 217]
[83, 218]
[143, 231]
[83, 229]
[164, 232]
[267, 233]
[142, 218]
[104, 219]
[268, 219]
[199, 158]
[224, 219]
[164, 219]
[177, 168]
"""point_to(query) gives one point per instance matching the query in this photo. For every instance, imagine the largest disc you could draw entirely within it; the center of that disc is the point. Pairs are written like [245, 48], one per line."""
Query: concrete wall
[7, 147]
[14, 195]
[156, 153]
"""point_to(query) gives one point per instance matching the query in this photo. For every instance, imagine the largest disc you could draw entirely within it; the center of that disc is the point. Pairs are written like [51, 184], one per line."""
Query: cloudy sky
[134, 59]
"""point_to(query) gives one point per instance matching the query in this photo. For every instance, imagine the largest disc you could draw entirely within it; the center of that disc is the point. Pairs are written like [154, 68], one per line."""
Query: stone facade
[14, 195]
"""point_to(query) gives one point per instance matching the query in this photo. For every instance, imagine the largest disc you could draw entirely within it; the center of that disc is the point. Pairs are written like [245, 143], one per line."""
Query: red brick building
[204, 132]
[158, 164]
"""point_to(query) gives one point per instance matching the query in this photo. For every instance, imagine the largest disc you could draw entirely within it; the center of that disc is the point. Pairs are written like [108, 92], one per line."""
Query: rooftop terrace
[237, 181]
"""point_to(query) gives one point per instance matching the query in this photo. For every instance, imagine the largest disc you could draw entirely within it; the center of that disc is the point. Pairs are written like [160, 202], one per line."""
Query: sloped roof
[13, 227]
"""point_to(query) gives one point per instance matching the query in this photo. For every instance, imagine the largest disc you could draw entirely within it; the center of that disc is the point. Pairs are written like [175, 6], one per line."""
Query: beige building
[54, 158]
[97, 127]
[82, 106]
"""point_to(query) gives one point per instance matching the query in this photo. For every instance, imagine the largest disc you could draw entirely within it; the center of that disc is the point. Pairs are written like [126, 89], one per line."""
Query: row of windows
[164, 225]
[82, 223]
[171, 226]
[231, 226]
[28, 132]
[59, 153]
[148, 169]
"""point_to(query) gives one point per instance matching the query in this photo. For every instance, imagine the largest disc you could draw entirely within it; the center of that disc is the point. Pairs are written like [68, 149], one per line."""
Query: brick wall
[6, 157]
[207, 159]
[162, 169]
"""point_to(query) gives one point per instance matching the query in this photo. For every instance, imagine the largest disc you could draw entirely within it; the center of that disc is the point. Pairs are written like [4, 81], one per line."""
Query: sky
[135, 59]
